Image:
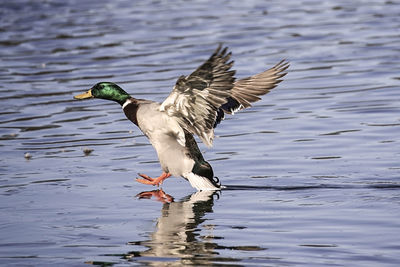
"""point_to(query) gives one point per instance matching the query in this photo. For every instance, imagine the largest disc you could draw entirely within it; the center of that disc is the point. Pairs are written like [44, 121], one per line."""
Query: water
[312, 171]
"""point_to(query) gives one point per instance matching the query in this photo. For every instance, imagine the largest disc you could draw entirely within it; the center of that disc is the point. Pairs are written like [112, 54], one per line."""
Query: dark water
[312, 171]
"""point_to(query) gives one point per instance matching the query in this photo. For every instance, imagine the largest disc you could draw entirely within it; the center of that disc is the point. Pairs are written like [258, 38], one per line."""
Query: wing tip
[282, 66]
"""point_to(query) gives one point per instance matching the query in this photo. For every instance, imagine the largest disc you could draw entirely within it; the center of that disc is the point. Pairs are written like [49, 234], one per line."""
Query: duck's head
[106, 90]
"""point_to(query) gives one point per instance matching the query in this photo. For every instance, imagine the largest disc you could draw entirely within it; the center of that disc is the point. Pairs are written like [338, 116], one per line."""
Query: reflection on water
[176, 235]
[176, 238]
[159, 194]
[187, 233]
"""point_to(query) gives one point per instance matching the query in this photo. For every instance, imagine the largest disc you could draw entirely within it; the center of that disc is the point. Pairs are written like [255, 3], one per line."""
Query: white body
[168, 139]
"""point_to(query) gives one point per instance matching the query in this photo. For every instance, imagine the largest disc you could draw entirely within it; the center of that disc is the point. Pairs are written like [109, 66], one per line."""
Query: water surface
[312, 171]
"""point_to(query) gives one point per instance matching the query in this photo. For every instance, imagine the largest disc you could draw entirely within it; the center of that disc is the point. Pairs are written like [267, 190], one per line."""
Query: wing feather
[199, 101]
[196, 99]
[248, 90]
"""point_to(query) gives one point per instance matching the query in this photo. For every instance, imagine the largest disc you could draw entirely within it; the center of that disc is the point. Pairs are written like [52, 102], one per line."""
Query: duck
[195, 107]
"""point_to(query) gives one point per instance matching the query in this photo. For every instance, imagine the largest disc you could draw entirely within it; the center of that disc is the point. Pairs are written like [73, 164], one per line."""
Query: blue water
[312, 171]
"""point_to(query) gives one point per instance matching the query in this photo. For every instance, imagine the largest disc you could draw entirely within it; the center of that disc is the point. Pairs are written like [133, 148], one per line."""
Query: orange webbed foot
[153, 181]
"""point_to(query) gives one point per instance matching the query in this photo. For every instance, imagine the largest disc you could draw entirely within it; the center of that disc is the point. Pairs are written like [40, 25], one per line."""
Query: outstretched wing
[196, 99]
[248, 90]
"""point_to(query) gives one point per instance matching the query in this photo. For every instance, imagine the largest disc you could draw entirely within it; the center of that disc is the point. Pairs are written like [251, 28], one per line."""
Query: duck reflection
[159, 194]
[177, 236]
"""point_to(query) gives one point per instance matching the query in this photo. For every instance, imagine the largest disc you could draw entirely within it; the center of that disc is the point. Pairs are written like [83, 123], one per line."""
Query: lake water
[312, 171]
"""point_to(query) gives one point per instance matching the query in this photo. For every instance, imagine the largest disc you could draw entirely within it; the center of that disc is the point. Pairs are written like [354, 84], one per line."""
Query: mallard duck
[196, 105]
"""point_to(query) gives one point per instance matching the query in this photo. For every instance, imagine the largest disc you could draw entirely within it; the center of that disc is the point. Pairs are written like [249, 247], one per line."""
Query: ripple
[312, 169]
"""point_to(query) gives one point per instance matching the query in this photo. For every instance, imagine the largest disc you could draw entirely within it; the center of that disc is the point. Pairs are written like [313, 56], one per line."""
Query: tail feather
[202, 183]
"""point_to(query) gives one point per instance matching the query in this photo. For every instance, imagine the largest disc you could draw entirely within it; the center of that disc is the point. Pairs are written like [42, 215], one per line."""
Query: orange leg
[153, 181]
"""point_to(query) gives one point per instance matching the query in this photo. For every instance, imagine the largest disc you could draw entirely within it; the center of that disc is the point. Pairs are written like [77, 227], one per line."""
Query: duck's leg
[153, 181]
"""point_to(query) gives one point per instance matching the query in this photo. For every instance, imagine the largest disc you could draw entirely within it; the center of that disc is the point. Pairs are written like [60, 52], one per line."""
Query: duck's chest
[156, 125]
[167, 138]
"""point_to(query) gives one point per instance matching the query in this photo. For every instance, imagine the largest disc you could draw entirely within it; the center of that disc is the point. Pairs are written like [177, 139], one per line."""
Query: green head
[106, 90]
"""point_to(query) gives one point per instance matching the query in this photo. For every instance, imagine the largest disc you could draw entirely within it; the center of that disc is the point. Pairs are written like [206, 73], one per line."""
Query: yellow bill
[86, 95]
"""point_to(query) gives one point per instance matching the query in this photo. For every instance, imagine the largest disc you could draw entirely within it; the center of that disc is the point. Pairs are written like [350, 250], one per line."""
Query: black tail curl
[215, 181]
